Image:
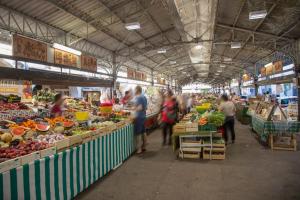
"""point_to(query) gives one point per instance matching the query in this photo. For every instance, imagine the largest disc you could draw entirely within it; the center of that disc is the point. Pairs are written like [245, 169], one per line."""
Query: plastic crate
[207, 127]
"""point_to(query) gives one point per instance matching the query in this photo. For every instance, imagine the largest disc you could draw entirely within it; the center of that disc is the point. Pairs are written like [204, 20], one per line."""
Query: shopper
[140, 118]
[267, 96]
[228, 108]
[169, 116]
[56, 109]
[117, 107]
[190, 103]
[126, 98]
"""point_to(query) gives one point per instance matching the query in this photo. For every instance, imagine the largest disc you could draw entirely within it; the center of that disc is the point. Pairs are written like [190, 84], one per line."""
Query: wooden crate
[218, 152]
[62, 144]
[179, 128]
[206, 156]
[287, 143]
[10, 164]
[121, 124]
[103, 130]
[30, 158]
[75, 140]
[95, 134]
[86, 137]
[48, 152]
[192, 155]
[191, 127]
[111, 128]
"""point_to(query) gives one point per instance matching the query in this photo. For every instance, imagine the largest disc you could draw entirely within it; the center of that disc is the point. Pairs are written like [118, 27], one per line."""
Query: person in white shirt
[267, 96]
[228, 108]
[190, 103]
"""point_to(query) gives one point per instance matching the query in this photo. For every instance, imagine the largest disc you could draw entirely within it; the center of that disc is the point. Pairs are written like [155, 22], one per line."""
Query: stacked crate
[217, 152]
[190, 147]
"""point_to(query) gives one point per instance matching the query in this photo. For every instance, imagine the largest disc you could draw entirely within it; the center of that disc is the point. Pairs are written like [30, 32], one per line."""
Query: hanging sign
[130, 73]
[269, 68]
[278, 66]
[65, 58]
[263, 71]
[21, 88]
[138, 75]
[161, 81]
[89, 63]
[144, 77]
[8, 86]
[27, 48]
[246, 77]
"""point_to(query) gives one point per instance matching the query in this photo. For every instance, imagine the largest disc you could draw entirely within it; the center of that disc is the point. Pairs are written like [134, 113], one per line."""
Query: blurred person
[181, 105]
[190, 103]
[228, 108]
[234, 97]
[56, 109]
[126, 98]
[117, 107]
[267, 97]
[169, 116]
[140, 106]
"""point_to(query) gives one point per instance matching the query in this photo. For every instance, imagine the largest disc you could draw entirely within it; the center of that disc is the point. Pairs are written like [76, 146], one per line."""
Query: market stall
[57, 156]
[272, 126]
[241, 113]
[65, 174]
[198, 135]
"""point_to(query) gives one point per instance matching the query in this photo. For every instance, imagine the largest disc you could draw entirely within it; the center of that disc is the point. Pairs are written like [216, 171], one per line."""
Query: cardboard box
[48, 152]
[30, 158]
[10, 164]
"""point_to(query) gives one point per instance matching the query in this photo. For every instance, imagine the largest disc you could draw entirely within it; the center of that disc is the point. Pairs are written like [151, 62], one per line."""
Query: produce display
[10, 98]
[76, 105]
[216, 118]
[44, 95]
[203, 107]
[20, 148]
[12, 106]
[19, 138]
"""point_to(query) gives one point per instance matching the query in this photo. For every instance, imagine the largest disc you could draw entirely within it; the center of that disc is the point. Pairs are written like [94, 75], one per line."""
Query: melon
[68, 124]
[6, 137]
[42, 127]
[19, 131]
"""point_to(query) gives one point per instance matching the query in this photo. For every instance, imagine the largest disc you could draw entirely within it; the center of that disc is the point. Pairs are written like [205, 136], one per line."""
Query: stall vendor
[56, 109]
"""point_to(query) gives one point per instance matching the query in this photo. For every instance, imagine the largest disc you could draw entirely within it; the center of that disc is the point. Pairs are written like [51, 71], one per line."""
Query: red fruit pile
[12, 106]
[21, 149]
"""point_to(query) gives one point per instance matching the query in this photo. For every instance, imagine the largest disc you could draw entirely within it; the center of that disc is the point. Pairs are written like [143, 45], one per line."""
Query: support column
[255, 85]
[297, 73]
[152, 77]
[114, 74]
[240, 87]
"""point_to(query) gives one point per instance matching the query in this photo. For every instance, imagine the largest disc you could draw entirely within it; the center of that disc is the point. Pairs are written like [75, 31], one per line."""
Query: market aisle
[250, 172]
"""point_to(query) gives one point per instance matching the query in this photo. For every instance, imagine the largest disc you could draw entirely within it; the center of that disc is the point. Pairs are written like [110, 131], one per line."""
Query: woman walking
[169, 116]
[228, 108]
